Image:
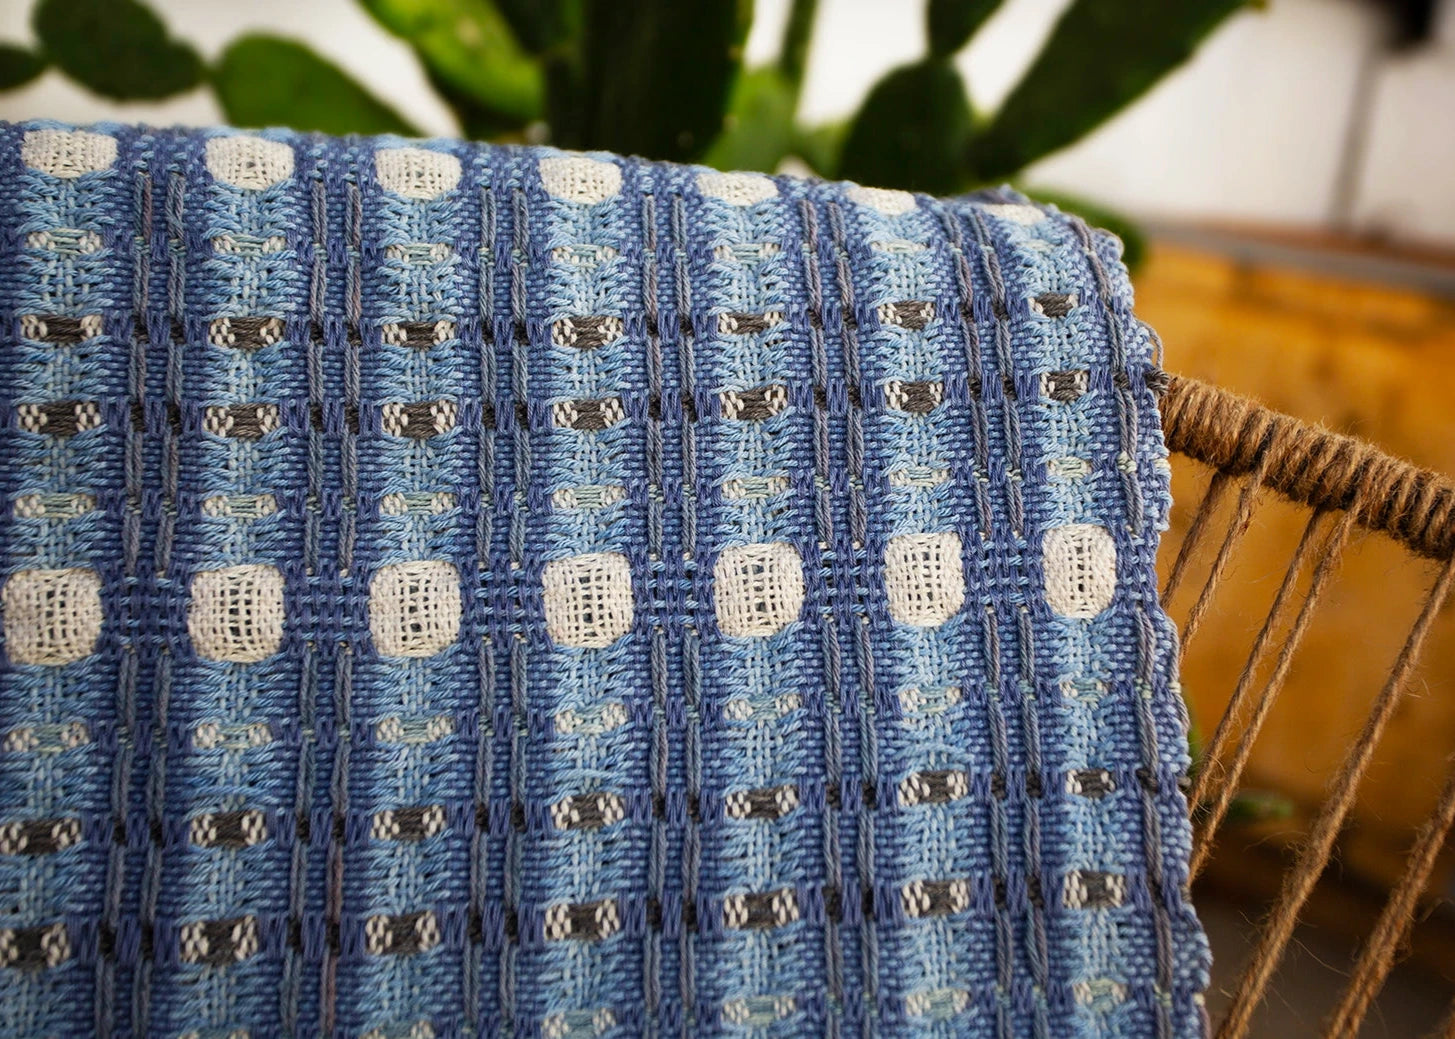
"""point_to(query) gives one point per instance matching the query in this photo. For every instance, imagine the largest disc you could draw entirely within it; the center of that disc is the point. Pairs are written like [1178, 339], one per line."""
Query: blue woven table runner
[453, 589]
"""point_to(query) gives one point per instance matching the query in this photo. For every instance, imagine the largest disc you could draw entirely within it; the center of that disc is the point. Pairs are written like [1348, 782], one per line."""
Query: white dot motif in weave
[1080, 563]
[575, 178]
[248, 162]
[781, 909]
[924, 578]
[424, 503]
[249, 828]
[42, 836]
[882, 200]
[396, 334]
[919, 788]
[37, 418]
[939, 1003]
[55, 945]
[588, 599]
[211, 735]
[392, 825]
[418, 932]
[60, 505]
[1016, 213]
[737, 189]
[414, 607]
[421, 421]
[588, 811]
[65, 240]
[205, 941]
[759, 588]
[416, 173]
[236, 613]
[33, 326]
[930, 897]
[67, 153]
[49, 738]
[572, 1024]
[758, 1011]
[740, 804]
[239, 506]
[52, 616]
[1092, 889]
[1104, 993]
[417, 731]
[270, 332]
[564, 920]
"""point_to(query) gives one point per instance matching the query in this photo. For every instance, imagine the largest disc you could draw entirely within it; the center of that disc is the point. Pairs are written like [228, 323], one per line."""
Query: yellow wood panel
[1367, 360]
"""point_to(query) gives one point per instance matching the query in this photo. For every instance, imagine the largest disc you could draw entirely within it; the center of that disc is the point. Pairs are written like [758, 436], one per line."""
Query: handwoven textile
[451, 589]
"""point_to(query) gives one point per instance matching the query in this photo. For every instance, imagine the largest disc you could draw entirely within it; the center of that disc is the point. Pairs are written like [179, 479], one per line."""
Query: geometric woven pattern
[236, 613]
[453, 589]
[414, 608]
[924, 578]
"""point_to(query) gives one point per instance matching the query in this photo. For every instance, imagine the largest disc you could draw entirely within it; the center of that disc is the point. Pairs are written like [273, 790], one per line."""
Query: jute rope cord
[1196, 530]
[1346, 483]
[1312, 466]
[1214, 786]
[1377, 956]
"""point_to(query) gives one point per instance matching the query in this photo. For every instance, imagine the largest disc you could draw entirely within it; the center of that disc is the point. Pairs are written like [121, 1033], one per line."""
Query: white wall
[1253, 129]
[1407, 183]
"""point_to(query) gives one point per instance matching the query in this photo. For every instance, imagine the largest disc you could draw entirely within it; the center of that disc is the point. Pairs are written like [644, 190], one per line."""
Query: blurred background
[1283, 174]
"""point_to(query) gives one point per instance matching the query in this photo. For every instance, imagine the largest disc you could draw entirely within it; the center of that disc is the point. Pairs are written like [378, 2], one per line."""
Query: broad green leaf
[1101, 55]
[543, 25]
[18, 66]
[270, 81]
[651, 77]
[469, 45]
[911, 131]
[1134, 242]
[116, 48]
[951, 23]
[758, 131]
[568, 116]
[820, 146]
[797, 35]
[477, 122]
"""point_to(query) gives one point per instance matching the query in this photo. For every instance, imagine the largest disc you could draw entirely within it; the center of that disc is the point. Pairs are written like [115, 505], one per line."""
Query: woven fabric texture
[466, 590]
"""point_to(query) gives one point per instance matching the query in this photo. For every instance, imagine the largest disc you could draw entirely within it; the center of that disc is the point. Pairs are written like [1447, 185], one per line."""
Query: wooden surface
[1364, 359]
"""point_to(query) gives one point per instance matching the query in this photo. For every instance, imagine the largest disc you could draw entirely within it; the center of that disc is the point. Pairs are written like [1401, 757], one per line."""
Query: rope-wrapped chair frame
[1345, 483]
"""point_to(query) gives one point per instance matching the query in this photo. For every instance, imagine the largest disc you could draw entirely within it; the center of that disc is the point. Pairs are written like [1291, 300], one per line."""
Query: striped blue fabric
[463, 590]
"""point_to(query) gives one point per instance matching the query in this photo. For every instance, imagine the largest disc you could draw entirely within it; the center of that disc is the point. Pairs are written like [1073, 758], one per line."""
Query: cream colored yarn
[924, 578]
[1080, 562]
[236, 613]
[415, 607]
[588, 599]
[52, 616]
[759, 588]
